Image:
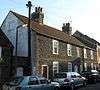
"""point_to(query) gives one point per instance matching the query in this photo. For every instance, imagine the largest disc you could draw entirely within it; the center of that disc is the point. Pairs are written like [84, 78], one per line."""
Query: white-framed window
[81, 68]
[85, 65]
[0, 51]
[55, 46]
[85, 53]
[11, 25]
[78, 51]
[19, 71]
[75, 68]
[91, 65]
[69, 51]
[55, 67]
[69, 67]
[91, 53]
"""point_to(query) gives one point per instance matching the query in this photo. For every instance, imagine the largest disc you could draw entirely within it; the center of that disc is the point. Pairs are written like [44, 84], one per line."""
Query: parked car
[30, 83]
[56, 85]
[69, 79]
[92, 76]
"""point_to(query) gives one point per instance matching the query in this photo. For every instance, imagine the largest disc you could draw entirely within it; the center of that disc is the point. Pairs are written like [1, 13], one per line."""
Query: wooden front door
[45, 71]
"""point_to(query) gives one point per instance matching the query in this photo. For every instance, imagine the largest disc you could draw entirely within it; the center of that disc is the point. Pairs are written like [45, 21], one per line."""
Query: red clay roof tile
[50, 31]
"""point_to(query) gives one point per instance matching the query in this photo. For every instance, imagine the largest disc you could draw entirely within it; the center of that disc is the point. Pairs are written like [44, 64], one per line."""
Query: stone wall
[45, 55]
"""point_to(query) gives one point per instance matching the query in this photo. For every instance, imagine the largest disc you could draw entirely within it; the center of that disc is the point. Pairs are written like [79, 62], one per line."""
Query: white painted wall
[9, 28]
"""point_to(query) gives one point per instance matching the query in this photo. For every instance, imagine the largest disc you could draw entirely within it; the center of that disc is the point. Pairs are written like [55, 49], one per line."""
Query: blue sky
[84, 15]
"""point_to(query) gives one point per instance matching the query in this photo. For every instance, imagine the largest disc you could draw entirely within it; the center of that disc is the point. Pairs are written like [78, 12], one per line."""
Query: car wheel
[72, 87]
[56, 88]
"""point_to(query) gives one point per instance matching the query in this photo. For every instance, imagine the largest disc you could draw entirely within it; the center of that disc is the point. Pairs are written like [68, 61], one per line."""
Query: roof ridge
[33, 21]
[49, 31]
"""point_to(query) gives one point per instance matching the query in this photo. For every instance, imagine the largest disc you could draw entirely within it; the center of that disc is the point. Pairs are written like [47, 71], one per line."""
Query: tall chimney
[67, 29]
[38, 15]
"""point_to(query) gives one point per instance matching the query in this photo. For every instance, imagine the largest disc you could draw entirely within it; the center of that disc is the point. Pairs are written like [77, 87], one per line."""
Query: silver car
[70, 79]
[29, 83]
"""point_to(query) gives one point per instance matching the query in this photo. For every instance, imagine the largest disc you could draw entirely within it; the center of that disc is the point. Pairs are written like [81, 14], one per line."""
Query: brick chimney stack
[38, 15]
[67, 29]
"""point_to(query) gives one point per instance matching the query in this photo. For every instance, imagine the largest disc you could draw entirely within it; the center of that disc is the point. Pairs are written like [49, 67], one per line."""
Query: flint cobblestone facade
[45, 55]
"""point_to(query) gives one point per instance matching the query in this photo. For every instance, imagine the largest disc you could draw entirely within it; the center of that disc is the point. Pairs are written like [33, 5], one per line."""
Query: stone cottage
[52, 50]
[90, 53]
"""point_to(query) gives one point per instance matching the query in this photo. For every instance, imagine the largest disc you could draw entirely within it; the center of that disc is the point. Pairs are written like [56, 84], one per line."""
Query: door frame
[47, 70]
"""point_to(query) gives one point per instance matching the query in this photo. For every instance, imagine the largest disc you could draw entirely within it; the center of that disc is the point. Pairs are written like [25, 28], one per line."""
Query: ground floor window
[76, 68]
[81, 68]
[91, 65]
[85, 65]
[19, 71]
[69, 67]
[55, 67]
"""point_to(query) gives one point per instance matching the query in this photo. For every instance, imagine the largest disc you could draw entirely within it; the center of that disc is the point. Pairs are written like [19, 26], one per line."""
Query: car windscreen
[16, 81]
[60, 75]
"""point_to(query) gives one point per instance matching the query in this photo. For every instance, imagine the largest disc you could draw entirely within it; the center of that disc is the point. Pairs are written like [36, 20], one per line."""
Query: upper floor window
[11, 25]
[69, 51]
[91, 53]
[78, 51]
[0, 51]
[85, 53]
[55, 46]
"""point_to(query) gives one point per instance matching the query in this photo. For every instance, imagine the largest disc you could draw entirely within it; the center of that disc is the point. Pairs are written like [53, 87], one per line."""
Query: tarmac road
[90, 87]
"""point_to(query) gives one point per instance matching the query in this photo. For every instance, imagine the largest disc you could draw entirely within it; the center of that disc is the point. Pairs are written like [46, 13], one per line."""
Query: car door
[45, 85]
[34, 84]
[74, 78]
[80, 80]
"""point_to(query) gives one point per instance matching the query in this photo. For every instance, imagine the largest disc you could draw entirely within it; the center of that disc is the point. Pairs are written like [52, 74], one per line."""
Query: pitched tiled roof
[86, 40]
[4, 41]
[49, 31]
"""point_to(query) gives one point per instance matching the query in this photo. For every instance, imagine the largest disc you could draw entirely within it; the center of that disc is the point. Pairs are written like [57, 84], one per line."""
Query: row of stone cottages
[52, 50]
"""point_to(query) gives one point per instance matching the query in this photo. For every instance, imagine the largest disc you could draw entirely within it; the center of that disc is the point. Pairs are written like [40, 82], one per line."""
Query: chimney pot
[41, 9]
[66, 28]
[36, 9]
[37, 16]
[63, 24]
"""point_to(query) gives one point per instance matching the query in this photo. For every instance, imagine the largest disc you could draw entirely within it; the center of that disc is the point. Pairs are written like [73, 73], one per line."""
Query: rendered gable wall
[9, 28]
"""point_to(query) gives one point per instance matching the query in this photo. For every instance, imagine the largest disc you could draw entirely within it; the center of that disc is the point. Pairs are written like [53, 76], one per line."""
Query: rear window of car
[60, 75]
[16, 81]
[33, 81]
